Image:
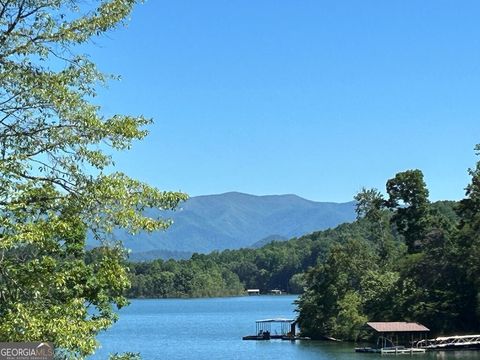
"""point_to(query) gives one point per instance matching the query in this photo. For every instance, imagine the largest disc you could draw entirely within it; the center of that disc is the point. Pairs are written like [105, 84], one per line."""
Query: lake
[199, 329]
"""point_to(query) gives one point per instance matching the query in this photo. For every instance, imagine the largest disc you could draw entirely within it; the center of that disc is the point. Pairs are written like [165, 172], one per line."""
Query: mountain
[234, 220]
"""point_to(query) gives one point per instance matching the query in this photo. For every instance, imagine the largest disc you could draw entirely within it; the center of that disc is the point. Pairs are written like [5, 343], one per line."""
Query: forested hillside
[430, 276]
[278, 265]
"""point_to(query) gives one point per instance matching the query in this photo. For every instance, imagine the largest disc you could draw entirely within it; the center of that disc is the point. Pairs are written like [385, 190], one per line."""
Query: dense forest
[278, 265]
[419, 262]
[405, 258]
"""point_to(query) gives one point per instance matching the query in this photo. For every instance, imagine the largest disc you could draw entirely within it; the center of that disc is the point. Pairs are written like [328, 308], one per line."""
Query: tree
[297, 284]
[408, 195]
[469, 243]
[55, 182]
[332, 304]
[371, 206]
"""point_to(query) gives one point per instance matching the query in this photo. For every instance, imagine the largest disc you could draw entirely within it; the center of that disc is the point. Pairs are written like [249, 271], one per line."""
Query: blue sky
[315, 98]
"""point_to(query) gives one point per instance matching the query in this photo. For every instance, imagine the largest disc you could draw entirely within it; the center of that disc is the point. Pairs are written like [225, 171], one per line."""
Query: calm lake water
[201, 329]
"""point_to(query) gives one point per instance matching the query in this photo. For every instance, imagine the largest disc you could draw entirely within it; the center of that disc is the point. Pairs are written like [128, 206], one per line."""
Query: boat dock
[278, 328]
[450, 343]
[410, 338]
[396, 338]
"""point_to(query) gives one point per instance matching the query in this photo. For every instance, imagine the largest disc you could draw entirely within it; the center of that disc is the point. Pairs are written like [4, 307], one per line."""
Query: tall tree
[371, 206]
[469, 242]
[408, 195]
[55, 182]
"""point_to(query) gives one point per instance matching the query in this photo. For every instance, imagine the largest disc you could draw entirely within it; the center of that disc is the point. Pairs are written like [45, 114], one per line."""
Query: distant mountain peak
[234, 219]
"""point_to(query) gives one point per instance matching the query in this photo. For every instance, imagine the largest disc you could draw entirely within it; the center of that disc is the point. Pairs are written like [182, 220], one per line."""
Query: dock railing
[450, 342]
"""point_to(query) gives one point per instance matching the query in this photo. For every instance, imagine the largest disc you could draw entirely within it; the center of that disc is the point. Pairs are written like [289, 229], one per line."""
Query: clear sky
[315, 98]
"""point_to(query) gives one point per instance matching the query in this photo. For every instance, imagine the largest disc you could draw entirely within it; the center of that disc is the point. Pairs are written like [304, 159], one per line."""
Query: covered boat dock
[396, 337]
[286, 326]
[277, 328]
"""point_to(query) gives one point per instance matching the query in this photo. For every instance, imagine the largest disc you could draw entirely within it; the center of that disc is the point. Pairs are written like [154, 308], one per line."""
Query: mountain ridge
[233, 220]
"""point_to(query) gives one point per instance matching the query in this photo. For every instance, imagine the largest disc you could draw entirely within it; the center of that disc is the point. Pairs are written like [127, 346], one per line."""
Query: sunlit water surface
[200, 329]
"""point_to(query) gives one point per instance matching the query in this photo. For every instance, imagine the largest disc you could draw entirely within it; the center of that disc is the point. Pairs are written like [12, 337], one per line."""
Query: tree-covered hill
[235, 220]
[276, 265]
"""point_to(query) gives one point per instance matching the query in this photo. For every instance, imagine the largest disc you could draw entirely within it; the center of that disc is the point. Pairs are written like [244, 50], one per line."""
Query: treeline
[429, 276]
[197, 277]
[278, 265]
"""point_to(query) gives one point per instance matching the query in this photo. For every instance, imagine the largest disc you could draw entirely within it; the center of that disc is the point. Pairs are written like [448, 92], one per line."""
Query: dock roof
[399, 326]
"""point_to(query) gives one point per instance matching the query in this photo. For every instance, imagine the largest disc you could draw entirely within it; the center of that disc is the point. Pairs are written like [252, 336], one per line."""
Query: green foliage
[408, 195]
[332, 303]
[278, 265]
[51, 292]
[469, 241]
[435, 282]
[371, 207]
[297, 283]
[369, 204]
[54, 177]
[350, 316]
[198, 277]
[379, 290]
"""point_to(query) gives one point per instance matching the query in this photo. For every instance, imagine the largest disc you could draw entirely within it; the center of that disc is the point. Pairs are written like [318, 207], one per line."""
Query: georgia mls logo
[26, 351]
[44, 349]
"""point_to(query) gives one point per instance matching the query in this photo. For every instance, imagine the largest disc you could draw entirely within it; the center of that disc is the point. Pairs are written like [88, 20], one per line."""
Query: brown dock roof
[399, 326]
